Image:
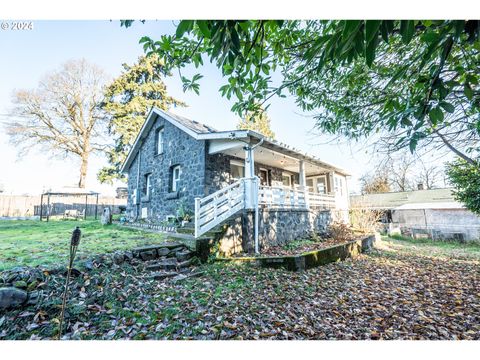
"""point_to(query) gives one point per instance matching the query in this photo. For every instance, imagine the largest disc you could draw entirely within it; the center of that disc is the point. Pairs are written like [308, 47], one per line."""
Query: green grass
[293, 245]
[435, 248]
[28, 242]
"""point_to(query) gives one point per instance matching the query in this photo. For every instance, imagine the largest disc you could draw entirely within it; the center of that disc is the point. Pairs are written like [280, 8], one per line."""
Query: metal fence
[13, 206]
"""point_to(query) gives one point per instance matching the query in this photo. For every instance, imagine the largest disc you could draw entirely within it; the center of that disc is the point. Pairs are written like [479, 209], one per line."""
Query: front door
[263, 175]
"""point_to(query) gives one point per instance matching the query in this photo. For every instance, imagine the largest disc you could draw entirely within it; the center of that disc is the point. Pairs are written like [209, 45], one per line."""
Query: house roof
[193, 125]
[201, 131]
[417, 199]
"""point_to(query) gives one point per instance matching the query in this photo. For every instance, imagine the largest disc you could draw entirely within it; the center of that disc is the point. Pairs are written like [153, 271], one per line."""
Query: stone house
[228, 176]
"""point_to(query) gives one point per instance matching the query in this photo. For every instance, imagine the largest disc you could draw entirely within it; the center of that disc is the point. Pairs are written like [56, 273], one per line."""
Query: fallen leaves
[385, 295]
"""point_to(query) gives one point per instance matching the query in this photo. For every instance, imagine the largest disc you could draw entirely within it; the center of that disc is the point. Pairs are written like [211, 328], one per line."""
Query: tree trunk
[83, 171]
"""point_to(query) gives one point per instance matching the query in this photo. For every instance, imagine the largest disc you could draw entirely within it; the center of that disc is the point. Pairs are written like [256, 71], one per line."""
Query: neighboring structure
[221, 175]
[122, 192]
[433, 213]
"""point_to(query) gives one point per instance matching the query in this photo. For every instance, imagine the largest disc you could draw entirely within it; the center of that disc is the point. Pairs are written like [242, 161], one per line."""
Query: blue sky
[29, 54]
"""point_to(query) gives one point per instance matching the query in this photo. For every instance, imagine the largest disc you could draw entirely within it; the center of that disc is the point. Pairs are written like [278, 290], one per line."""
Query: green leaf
[436, 115]
[183, 27]
[413, 144]
[384, 31]
[447, 107]
[468, 91]
[370, 51]
[203, 26]
[371, 29]
[407, 30]
[144, 39]
[197, 77]
[350, 27]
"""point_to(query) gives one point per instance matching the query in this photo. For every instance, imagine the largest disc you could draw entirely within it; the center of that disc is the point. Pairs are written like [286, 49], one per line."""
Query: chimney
[420, 186]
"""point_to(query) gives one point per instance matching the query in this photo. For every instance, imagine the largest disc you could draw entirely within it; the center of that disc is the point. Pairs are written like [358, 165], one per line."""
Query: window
[148, 185]
[159, 141]
[309, 183]
[339, 185]
[322, 185]
[317, 184]
[264, 178]
[287, 179]
[176, 172]
[237, 169]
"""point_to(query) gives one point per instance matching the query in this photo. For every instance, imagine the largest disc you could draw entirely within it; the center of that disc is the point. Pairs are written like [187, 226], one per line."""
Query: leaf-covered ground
[402, 291]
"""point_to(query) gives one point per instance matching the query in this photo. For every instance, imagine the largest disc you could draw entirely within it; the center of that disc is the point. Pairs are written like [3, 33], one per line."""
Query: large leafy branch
[417, 78]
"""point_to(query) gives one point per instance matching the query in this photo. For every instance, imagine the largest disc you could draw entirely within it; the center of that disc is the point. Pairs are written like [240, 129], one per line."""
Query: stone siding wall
[179, 149]
[276, 227]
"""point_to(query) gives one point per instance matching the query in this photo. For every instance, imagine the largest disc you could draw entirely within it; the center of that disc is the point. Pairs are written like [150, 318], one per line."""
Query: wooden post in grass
[74, 242]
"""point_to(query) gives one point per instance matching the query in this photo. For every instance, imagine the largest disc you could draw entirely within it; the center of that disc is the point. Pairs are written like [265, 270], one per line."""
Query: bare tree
[62, 115]
[376, 181]
[400, 169]
[429, 175]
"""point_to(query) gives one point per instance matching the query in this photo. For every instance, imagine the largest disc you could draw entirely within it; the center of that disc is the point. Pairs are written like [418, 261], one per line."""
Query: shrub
[365, 220]
[340, 231]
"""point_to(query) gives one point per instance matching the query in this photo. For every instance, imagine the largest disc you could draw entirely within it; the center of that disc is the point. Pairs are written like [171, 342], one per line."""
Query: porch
[256, 173]
[247, 193]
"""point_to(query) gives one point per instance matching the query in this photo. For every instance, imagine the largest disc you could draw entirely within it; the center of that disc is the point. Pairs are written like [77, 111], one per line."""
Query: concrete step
[165, 264]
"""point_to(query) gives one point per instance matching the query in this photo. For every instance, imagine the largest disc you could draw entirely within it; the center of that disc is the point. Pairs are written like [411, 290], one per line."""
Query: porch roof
[270, 152]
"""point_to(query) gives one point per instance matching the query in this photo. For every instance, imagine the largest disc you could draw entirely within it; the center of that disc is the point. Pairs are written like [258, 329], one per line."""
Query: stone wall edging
[314, 258]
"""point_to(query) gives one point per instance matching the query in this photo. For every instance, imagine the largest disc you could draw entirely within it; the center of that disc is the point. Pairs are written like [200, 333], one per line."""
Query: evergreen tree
[259, 122]
[128, 100]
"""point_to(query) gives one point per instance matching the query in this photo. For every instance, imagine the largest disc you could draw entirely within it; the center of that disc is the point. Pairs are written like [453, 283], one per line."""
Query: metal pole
[48, 207]
[255, 199]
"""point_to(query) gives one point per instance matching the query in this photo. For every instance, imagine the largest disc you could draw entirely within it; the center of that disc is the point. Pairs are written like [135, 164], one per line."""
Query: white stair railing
[213, 209]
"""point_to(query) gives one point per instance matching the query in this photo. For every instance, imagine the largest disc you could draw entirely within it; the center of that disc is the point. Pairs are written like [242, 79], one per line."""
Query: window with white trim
[159, 141]
[237, 169]
[176, 173]
[338, 185]
[287, 179]
[148, 185]
[322, 185]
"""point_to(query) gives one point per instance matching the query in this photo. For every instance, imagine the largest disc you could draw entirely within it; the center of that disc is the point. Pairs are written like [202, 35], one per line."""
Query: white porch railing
[277, 196]
[214, 209]
[326, 201]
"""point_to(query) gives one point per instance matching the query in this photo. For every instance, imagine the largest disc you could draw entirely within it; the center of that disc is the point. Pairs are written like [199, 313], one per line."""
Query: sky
[29, 54]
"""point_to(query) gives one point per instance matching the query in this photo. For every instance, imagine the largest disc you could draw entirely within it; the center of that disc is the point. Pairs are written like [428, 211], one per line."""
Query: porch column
[249, 174]
[251, 191]
[330, 181]
[302, 177]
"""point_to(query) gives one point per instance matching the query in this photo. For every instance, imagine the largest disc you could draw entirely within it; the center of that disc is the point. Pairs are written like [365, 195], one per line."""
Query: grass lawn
[25, 242]
[439, 249]
[403, 290]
